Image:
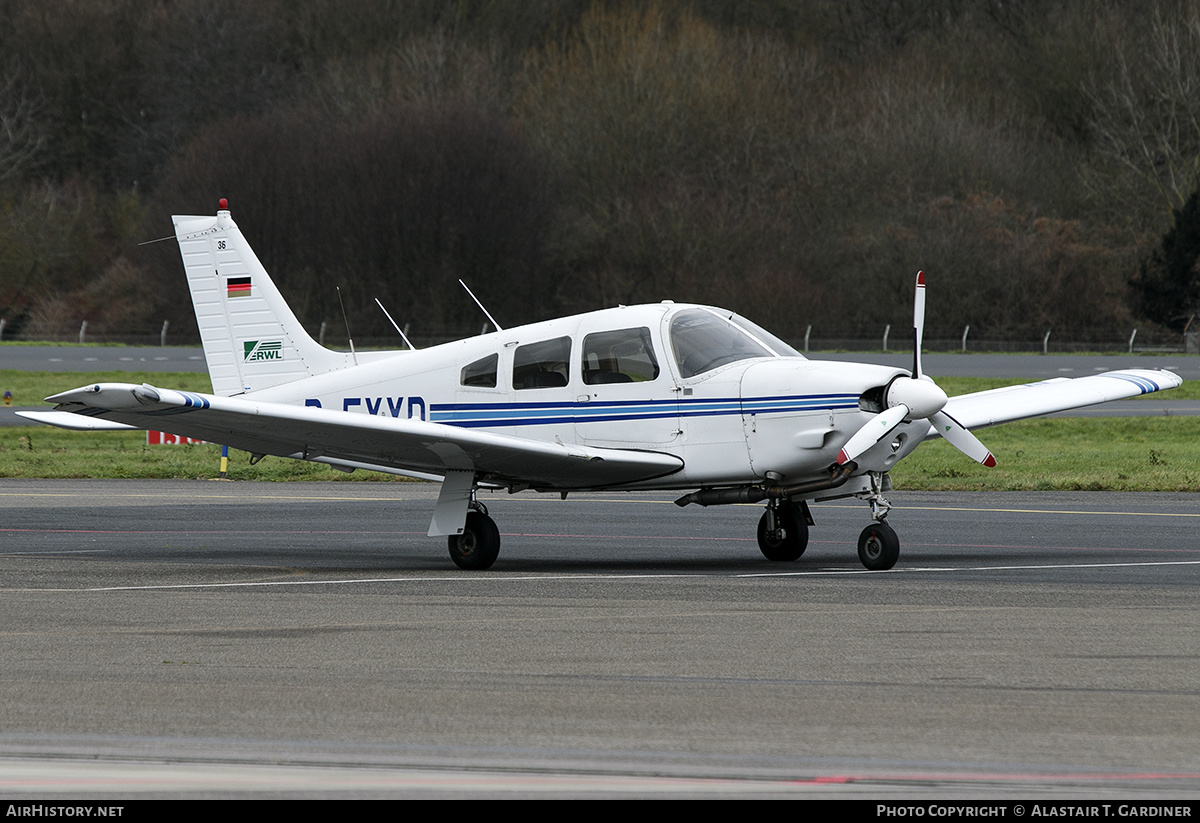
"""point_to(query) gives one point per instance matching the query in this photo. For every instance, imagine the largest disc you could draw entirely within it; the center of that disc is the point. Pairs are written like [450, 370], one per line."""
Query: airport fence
[1142, 340]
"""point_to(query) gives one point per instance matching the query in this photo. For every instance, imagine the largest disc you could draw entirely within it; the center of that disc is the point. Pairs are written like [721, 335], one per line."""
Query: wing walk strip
[483, 577]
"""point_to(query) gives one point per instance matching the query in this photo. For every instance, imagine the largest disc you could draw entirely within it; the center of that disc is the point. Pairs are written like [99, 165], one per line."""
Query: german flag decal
[238, 286]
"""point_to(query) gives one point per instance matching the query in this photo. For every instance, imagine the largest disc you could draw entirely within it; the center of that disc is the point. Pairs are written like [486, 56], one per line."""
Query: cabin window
[542, 365]
[625, 356]
[703, 340]
[482, 372]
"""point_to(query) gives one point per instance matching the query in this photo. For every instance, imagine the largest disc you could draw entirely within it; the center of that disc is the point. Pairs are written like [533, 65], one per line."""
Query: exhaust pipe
[754, 494]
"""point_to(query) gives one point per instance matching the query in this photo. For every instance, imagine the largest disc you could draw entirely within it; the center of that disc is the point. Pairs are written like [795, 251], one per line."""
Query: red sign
[154, 438]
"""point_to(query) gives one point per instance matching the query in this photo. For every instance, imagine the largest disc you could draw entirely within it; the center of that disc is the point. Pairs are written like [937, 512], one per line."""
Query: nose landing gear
[878, 547]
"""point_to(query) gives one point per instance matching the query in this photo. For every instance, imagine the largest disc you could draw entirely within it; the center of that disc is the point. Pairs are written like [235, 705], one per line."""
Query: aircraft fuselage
[621, 378]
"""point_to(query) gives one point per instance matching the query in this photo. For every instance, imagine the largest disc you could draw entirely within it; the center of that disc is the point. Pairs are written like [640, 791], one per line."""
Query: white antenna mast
[346, 320]
[403, 336]
[480, 305]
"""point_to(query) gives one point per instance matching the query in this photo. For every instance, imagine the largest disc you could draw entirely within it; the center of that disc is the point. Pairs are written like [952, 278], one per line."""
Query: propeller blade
[874, 430]
[918, 324]
[961, 439]
[917, 397]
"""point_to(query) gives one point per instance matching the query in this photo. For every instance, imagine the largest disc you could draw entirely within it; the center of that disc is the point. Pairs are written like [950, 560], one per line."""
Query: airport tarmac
[177, 638]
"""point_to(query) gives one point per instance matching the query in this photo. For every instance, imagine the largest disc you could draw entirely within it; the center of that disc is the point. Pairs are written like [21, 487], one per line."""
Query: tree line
[796, 161]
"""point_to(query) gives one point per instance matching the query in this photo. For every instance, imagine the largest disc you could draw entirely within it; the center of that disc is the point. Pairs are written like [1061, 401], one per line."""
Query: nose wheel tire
[478, 546]
[878, 547]
[789, 538]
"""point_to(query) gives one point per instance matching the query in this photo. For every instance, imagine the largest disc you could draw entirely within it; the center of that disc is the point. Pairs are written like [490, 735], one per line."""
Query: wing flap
[988, 408]
[359, 439]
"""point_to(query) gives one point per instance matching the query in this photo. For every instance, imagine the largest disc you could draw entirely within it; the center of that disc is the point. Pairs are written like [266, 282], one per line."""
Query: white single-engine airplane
[664, 396]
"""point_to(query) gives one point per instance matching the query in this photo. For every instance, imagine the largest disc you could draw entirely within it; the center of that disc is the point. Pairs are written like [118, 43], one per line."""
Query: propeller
[915, 398]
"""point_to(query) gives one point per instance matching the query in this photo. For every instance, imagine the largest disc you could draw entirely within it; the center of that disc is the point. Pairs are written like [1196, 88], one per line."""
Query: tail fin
[251, 338]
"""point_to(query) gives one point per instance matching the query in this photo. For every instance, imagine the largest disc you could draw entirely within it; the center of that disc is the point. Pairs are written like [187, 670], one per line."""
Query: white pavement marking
[475, 578]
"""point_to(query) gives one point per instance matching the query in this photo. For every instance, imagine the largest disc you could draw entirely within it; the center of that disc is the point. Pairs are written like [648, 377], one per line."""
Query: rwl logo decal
[262, 350]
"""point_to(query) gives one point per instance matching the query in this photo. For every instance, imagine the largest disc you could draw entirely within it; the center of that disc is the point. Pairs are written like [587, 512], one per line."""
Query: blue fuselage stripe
[473, 415]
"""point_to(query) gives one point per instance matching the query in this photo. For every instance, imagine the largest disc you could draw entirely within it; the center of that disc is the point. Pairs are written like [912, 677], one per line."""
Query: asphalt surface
[234, 639]
[207, 639]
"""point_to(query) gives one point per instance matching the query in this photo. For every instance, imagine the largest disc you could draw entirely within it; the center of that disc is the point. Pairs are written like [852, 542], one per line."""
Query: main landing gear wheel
[478, 546]
[789, 538]
[878, 547]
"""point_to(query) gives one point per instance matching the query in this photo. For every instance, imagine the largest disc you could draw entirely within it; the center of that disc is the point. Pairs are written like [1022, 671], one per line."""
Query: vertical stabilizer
[251, 338]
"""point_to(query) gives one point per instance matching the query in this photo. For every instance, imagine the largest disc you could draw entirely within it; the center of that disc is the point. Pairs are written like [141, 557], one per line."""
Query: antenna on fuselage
[395, 325]
[480, 305]
[346, 320]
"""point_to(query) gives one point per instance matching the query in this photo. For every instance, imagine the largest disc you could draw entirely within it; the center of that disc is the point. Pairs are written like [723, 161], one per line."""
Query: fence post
[886, 329]
[2, 322]
[807, 332]
[1046, 342]
[162, 338]
[1131, 340]
[966, 329]
[321, 335]
[82, 330]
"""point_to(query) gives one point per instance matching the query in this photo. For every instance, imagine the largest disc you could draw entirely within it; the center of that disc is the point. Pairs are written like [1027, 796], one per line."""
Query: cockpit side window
[702, 341]
[542, 365]
[482, 372]
[624, 356]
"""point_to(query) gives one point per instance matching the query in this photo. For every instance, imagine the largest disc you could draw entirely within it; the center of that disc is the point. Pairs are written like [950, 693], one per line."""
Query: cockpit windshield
[703, 340]
[778, 346]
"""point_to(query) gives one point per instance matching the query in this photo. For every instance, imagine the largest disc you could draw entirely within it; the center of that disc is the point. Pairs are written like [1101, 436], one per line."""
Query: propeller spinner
[915, 398]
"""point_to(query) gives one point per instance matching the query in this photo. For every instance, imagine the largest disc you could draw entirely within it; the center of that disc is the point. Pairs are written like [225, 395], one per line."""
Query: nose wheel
[878, 547]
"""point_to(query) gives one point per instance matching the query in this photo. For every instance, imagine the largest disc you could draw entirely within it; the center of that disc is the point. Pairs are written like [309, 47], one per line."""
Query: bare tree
[21, 135]
[1146, 119]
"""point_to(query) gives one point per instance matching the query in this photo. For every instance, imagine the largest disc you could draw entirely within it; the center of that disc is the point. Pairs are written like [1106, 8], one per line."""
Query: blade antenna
[480, 305]
[346, 319]
[403, 336]
[158, 240]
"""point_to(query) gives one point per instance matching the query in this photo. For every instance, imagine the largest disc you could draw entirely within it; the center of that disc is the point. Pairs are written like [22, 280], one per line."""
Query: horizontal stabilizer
[78, 422]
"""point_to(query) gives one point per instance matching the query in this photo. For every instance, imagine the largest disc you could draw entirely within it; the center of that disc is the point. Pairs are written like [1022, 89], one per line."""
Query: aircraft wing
[346, 439]
[987, 408]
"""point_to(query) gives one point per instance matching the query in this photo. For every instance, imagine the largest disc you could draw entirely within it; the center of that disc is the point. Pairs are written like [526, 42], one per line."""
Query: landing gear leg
[478, 546]
[783, 531]
[878, 545]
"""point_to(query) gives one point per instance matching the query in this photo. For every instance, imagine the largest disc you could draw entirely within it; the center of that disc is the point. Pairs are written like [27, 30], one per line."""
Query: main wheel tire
[478, 546]
[794, 538]
[878, 547]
